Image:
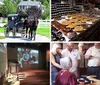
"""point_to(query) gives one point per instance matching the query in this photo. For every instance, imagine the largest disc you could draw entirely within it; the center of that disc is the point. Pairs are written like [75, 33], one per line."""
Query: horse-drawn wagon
[15, 24]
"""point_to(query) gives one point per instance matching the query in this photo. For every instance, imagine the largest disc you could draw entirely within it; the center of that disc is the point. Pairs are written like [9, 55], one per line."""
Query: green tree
[9, 7]
[3, 10]
[46, 13]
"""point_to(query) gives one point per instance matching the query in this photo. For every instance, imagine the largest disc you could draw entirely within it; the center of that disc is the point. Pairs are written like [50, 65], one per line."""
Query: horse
[33, 27]
[26, 25]
[32, 24]
[32, 30]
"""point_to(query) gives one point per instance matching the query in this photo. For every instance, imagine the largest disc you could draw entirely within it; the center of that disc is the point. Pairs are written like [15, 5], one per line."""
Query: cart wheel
[6, 32]
[14, 31]
[34, 35]
[23, 33]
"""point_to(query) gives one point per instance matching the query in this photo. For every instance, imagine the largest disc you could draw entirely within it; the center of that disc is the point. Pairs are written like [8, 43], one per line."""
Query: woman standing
[55, 61]
[64, 77]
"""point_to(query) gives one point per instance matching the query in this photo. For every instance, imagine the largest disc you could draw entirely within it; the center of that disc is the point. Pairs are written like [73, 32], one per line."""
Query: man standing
[93, 56]
[75, 57]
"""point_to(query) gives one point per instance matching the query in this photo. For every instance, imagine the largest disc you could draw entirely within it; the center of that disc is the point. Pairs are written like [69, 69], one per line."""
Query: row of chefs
[65, 63]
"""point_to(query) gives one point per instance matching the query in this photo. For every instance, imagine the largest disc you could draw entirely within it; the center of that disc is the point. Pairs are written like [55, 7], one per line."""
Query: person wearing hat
[64, 77]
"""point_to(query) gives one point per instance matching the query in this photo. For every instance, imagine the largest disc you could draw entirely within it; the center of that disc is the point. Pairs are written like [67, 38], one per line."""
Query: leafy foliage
[11, 7]
[46, 13]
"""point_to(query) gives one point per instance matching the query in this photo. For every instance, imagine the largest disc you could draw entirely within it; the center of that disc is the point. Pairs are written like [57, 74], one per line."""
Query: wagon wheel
[6, 31]
[14, 31]
[23, 33]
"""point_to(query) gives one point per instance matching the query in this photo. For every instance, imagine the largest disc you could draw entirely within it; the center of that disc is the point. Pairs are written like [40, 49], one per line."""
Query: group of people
[27, 58]
[26, 23]
[65, 63]
[32, 24]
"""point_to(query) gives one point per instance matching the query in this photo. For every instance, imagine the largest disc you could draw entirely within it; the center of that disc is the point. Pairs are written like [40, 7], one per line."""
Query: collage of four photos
[49, 42]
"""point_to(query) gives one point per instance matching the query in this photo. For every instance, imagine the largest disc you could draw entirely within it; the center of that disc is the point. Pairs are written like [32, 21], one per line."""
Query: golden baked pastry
[74, 20]
[78, 23]
[69, 16]
[66, 22]
[78, 28]
[93, 19]
[74, 17]
[71, 26]
[83, 21]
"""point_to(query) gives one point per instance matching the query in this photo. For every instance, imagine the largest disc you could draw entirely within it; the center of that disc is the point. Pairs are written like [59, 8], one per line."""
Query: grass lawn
[1, 30]
[44, 32]
[2, 37]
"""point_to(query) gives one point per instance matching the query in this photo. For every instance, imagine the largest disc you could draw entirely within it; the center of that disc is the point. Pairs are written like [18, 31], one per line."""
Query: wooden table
[96, 81]
[59, 26]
